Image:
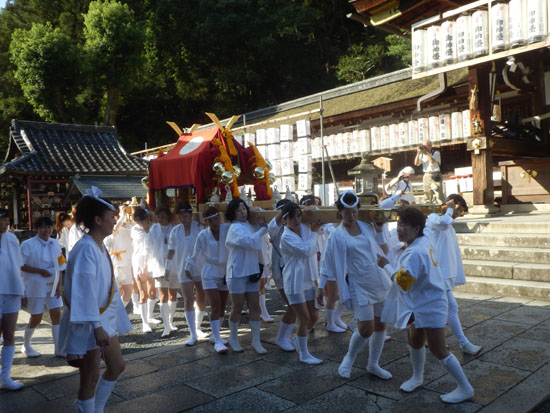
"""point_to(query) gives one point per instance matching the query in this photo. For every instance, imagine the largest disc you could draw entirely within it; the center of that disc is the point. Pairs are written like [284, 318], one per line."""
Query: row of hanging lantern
[471, 35]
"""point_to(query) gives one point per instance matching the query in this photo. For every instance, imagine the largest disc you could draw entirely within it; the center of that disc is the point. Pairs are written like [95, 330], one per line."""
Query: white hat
[407, 170]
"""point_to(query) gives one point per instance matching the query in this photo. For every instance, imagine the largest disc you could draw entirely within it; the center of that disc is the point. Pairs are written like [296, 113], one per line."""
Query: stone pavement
[512, 373]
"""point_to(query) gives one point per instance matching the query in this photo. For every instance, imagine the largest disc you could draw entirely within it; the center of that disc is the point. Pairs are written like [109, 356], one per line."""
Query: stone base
[484, 210]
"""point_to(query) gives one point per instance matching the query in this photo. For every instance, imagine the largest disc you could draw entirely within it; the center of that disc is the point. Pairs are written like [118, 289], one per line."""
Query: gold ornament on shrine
[218, 168]
[227, 177]
[259, 172]
[237, 170]
[272, 178]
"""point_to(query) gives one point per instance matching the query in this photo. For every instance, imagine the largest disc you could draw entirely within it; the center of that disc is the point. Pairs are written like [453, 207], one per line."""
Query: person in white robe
[300, 275]
[11, 293]
[180, 245]
[119, 245]
[243, 271]
[350, 260]
[275, 229]
[93, 316]
[75, 233]
[440, 230]
[43, 263]
[62, 226]
[142, 275]
[157, 244]
[419, 299]
[264, 283]
[208, 259]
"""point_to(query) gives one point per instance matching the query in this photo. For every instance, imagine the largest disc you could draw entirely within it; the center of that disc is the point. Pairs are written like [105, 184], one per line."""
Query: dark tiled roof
[113, 187]
[53, 148]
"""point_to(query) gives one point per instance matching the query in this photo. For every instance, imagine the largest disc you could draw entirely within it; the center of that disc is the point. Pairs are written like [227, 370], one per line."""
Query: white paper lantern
[480, 29]
[500, 30]
[448, 42]
[423, 130]
[464, 38]
[433, 125]
[394, 137]
[456, 126]
[261, 137]
[272, 135]
[303, 128]
[250, 138]
[419, 56]
[403, 130]
[466, 123]
[286, 132]
[364, 141]
[517, 10]
[384, 138]
[445, 127]
[536, 21]
[375, 138]
[413, 133]
[434, 46]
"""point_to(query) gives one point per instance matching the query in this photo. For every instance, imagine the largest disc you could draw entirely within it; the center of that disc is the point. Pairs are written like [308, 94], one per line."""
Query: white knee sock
[172, 305]
[215, 324]
[331, 322]
[103, 390]
[283, 336]
[356, 342]
[464, 389]
[256, 344]
[144, 313]
[150, 309]
[376, 344]
[337, 314]
[85, 406]
[199, 317]
[418, 358]
[454, 321]
[28, 335]
[305, 356]
[55, 337]
[265, 314]
[190, 317]
[165, 314]
[234, 336]
[135, 299]
[7, 360]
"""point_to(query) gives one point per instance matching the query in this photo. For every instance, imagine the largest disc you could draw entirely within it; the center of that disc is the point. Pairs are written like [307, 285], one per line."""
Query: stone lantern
[366, 176]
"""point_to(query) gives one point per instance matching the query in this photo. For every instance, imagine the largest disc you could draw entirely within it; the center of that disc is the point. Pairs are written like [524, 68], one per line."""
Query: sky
[2, 3]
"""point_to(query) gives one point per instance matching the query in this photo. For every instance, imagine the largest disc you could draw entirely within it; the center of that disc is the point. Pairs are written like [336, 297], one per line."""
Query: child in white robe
[93, 316]
[243, 271]
[43, 263]
[11, 293]
[350, 260]
[180, 246]
[300, 275]
[419, 300]
[439, 228]
[209, 258]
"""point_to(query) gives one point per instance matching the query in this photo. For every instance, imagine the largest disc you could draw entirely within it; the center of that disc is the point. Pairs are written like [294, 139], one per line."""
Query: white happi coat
[183, 247]
[139, 249]
[120, 246]
[440, 230]
[41, 254]
[371, 287]
[75, 234]
[426, 298]
[244, 245]
[275, 232]
[209, 256]
[87, 286]
[63, 238]
[300, 257]
[157, 244]
[10, 257]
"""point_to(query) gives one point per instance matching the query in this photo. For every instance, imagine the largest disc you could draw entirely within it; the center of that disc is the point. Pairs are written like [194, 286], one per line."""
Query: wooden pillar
[481, 153]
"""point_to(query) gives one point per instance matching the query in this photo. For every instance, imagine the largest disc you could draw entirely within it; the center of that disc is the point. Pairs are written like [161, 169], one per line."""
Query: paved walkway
[512, 373]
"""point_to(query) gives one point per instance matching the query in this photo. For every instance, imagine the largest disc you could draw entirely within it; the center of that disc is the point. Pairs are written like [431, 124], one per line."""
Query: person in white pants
[300, 275]
[11, 293]
[419, 300]
[209, 259]
[243, 271]
[43, 263]
[350, 260]
[142, 275]
[439, 228]
[180, 246]
[93, 316]
[157, 244]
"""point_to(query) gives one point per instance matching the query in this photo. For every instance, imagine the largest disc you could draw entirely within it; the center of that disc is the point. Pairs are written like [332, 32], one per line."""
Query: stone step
[523, 255]
[504, 287]
[509, 240]
[504, 227]
[507, 270]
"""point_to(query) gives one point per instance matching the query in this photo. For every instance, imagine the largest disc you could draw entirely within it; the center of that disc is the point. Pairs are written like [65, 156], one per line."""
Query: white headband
[212, 216]
[344, 202]
[95, 192]
[285, 214]
[186, 210]
[280, 206]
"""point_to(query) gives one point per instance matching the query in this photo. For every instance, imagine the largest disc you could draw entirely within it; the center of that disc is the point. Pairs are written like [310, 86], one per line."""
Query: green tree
[46, 67]
[113, 43]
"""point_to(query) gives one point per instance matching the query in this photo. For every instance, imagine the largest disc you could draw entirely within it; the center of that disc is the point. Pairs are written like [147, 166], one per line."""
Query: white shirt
[182, 245]
[428, 166]
[275, 232]
[213, 254]
[63, 238]
[139, 249]
[119, 244]
[439, 229]
[41, 254]
[10, 257]
[244, 245]
[75, 234]
[300, 257]
[157, 244]
[401, 185]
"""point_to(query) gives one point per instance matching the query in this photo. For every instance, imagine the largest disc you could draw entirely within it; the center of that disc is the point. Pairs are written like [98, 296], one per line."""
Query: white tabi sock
[172, 305]
[55, 336]
[376, 344]
[283, 336]
[150, 310]
[190, 317]
[356, 342]
[464, 390]
[234, 336]
[219, 345]
[199, 316]
[305, 356]
[85, 406]
[6, 381]
[144, 318]
[165, 314]
[103, 390]
[266, 318]
[27, 348]
[337, 314]
[418, 358]
[256, 344]
[331, 325]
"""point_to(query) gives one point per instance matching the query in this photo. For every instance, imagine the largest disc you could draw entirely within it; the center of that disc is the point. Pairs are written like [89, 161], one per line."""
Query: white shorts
[303, 297]
[183, 279]
[240, 285]
[172, 283]
[123, 275]
[214, 284]
[38, 304]
[9, 303]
